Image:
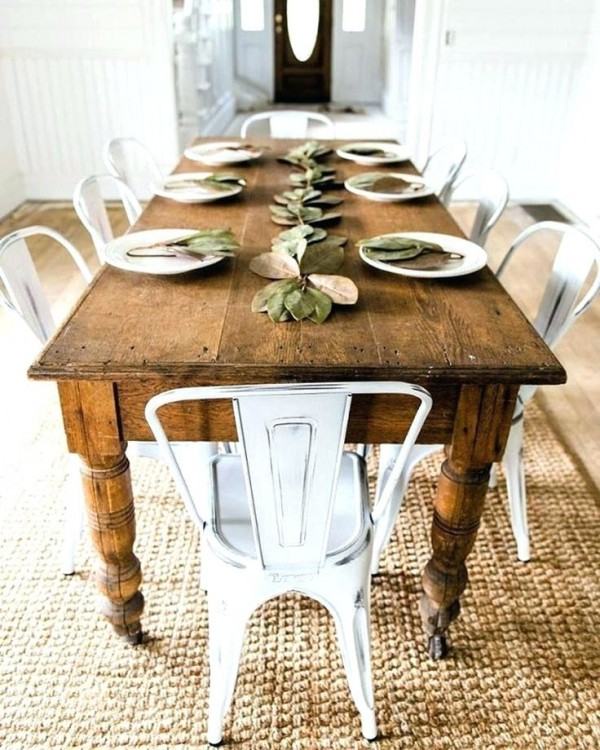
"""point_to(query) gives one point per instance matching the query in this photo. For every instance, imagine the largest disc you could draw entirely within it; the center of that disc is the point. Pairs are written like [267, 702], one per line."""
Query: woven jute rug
[523, 673]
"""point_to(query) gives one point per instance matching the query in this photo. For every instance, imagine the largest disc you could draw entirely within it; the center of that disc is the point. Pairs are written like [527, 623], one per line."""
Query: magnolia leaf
[276, 308]
[297, 232]
[259, 302]
[326, 217]
[299, 303]
[325, 200]
[206, 242]
[336, 239]
[392, 247]
[295, 248]
[321, 258]
[275, 266]
[340, 289]
[323, 305]
[316, 235]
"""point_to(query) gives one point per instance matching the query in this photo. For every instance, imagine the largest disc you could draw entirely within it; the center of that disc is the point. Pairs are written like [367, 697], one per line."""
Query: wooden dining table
[131, 336]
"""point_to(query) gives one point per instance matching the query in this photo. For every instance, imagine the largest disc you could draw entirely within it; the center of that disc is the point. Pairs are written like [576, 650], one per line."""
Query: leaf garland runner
[304, 259]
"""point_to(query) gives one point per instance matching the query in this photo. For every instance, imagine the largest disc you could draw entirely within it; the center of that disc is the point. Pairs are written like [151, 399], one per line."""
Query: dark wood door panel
[297, 81]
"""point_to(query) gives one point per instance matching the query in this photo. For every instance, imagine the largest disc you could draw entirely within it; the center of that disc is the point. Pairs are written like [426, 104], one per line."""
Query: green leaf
[276, 308]
[260, 299]
[323, 305]
[207, 242]
[299, 303]
[336, 239]
[322, 258]
[391, 247]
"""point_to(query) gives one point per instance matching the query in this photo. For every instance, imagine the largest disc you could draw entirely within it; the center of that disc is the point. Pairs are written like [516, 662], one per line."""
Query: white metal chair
[491, 190]
[89, 203]
[132, 161]
[564, 300]
[25, 297]
[290, 512]
[290, 123]
[442, 168]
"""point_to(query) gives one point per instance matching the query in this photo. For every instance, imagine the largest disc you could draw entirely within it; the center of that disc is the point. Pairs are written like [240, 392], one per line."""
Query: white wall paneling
[505, 80]
[79, 73]
[254, 56]
[12, 186]
[398, 42]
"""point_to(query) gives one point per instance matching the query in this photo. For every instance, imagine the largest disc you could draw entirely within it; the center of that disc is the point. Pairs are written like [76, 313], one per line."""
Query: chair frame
[286, 559]
[275, 113]
[95, 217]
[489, 210]
[120, 170]
[443, 190]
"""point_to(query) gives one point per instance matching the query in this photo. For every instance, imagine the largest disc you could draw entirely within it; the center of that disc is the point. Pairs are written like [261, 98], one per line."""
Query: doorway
[302, 31]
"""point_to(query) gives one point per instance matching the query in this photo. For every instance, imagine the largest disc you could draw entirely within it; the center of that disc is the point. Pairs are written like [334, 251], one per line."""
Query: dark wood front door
[302, 81]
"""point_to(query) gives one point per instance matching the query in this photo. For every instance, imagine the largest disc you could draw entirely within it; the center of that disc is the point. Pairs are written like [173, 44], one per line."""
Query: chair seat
[233, 526]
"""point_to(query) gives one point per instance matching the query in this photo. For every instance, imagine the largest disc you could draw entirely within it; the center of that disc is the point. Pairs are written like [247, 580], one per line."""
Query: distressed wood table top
[199, 325]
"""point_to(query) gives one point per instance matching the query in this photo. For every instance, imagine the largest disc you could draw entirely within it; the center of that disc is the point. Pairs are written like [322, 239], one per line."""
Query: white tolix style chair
[490, 190]
[290, 512]
[442, 167]
[132, 162]
[90, 206]
[565, 298]
[26, 298]
[290, 123]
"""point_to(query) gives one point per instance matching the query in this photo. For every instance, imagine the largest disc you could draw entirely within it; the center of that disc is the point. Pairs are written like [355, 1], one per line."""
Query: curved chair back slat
[565, 297]
[89, 203]
[491, 191]
[132, 161]
[26, 295]
[442, 168]
[291, 123]
[291, 441]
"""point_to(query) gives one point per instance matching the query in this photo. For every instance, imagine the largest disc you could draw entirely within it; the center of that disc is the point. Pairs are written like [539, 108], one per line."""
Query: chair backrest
[491, 190]
[131, 160]
[26, 296]
[443, 166]
[564, 298]
[291, 442]
[89, 203]
[291, 123]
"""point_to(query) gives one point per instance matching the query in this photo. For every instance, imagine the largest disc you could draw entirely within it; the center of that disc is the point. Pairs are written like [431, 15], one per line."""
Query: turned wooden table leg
[480, 431]
[91, 422]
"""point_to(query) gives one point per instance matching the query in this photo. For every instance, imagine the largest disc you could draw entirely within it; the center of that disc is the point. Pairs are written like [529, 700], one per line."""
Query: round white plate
[217, 153]
[115, 253]
[195, 194]
[390, 197]
[396, 152]
[474, 256]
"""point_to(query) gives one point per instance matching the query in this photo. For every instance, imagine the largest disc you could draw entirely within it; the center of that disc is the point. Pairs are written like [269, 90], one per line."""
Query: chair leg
[516, 490]
[353, 628]
[227, 625]
[384, 525]
[74, 518]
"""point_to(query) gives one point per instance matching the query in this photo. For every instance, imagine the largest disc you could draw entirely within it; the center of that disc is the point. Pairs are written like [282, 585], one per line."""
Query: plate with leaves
[167, 252]
[371, 153]
[200, 187]
[425, 255]
[388, 187]
[221, 153]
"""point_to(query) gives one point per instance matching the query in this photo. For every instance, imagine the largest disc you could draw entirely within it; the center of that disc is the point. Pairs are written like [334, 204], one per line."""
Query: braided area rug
[523, 672]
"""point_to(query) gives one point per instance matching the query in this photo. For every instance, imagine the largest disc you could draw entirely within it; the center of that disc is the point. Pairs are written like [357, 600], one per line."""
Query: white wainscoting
[78, 73]
[505, 83]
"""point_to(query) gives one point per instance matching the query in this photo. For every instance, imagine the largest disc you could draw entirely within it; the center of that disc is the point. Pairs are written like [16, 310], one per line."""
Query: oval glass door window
[302, 27]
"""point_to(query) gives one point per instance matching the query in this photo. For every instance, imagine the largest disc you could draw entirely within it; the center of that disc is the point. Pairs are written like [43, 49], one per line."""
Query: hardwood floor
[574, 408]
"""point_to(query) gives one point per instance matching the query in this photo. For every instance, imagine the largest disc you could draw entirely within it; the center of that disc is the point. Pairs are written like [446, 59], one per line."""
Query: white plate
[115, 253]
[196, 194]
[216, 154]
[474, 256]
[397, 153]
[390, 197]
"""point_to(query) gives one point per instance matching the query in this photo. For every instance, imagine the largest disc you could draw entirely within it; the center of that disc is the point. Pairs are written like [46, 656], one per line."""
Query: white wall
[398, 38]
[78, 73]
[505, 80]
[580, 156]
[12, 187]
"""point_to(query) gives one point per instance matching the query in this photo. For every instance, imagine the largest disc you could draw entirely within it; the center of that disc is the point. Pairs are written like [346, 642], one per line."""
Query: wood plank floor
[574, 408]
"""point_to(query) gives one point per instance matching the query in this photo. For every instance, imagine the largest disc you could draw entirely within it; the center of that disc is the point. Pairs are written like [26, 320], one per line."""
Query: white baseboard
[219, 119]
[12, 193]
